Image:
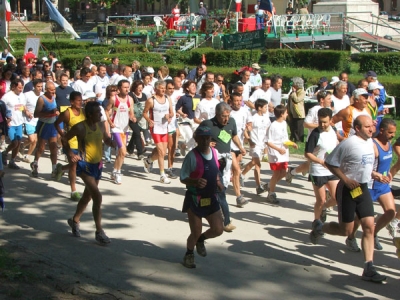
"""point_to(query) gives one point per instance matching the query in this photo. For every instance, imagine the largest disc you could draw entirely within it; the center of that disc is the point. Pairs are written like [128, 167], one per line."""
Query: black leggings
[135, 139]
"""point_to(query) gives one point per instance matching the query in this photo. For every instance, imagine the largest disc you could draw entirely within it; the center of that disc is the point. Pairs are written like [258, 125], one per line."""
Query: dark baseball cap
[203, 131]
[323, 79]
[370, 74]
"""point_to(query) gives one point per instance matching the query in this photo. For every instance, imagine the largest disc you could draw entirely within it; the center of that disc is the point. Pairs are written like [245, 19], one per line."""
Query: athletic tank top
[73, 120]
[157, 114]
[93, 145]
[207, 169]
[381, 164]
[120, 115]
[347, 125]
[47, 107]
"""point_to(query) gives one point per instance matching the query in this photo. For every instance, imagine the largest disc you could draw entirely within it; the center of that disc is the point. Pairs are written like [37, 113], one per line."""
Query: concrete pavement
[268, 256]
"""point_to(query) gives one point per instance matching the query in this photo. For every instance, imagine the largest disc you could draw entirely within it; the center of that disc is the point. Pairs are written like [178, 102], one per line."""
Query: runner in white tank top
[122, 112]
[158, 113]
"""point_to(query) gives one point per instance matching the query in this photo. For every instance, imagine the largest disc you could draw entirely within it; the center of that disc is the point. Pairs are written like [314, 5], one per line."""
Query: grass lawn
[300, 151]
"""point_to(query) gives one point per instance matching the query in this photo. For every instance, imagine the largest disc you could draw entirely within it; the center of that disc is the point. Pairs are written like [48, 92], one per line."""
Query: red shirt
[29, 55]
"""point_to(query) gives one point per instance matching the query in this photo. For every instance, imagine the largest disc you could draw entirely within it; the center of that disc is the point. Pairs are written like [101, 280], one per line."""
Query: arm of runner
[62, 118]
[148, 105]
[350, 183]
[79, 131]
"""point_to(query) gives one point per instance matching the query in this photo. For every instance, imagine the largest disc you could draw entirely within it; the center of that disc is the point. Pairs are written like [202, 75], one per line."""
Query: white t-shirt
[246, 90]
[355, 158]
[338, 105]
[31, 100]
[255, 80]
[261, 94]
[82, 87]
[16, 104]
[312, 117]
[260, 126]
[276, 98]
[242, 117]
[148, 90]
[277, 134]
[321, 143]
[122, 77]
[100, 86]
[205, 110]
[113, 78]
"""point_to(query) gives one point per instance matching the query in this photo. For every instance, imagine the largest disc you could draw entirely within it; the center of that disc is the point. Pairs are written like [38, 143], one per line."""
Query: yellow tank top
[73, 120]
[93, 150]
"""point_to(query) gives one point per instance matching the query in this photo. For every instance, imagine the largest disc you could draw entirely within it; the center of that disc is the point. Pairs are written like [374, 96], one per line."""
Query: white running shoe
[164, 179]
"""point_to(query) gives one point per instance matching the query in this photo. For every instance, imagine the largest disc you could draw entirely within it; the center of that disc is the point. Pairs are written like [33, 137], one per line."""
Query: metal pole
[39, 9]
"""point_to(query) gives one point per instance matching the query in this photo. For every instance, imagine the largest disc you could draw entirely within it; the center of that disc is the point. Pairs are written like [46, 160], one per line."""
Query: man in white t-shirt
[321, 142]
[263, 93]
[15, 104]
[84, 84]
[148, 88]
[112, 74]
[276, 95]
[125, 73]
[352, 161]
[245, 80]
[255, 77]
[243, 121]
[31, 122]
[101, 82]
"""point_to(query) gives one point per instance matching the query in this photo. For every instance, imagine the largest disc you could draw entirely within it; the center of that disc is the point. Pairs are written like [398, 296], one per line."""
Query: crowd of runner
[211, 124]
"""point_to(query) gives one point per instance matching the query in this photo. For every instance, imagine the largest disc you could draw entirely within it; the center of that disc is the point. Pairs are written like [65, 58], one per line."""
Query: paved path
[268, 256]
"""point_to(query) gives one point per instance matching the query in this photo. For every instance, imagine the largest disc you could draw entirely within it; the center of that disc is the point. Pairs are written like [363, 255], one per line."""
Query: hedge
[311, 59]
[226, 58]
[382, 63]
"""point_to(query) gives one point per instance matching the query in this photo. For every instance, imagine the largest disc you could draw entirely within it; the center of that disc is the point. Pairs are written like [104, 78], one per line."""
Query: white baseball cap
[373, 86]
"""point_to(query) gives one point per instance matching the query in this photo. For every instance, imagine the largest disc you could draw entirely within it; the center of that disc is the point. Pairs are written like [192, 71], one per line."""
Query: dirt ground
[28, 276]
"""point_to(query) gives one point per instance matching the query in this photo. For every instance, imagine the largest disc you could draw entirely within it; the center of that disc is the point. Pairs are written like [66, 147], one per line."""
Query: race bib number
[356, 192]
[224, 136]
[205, 202]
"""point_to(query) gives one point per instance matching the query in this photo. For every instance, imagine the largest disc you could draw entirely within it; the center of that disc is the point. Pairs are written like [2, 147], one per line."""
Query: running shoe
[164, 179]
[392, 228]
[289, 176]
[316, 232]
[170, 173]
[260, 190]
[177, 152]
[112, 177]
[240, 201]
[188, 261]
[370, 274]
[118, 178]
[58, 172]
[75, 196]
[148, 166]
[377, 244]
[34, 167]
[102, 238]
[229, 228]
[352, 245]
[271, 198]
[26, 159]
[201, 249]
[75, 227]
[13, 165]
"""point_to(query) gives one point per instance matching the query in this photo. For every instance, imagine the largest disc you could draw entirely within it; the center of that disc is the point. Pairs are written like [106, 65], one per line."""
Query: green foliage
[312, 59]
[382, 63]
[227, 58]
[74, 61]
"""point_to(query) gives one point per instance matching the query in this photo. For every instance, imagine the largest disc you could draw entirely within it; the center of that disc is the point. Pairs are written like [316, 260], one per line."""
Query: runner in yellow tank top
[70, 117]
[89, 133]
